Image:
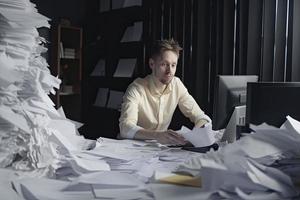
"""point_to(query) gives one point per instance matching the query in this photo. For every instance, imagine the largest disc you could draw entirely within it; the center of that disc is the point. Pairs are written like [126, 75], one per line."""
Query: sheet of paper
[125, 67]
[109, 178]
[175, 192]
[275, 180]
[129, 3]
[85, 165]
[101, 98]
[35, 188]
[9, 73]
[66, 134]
[6, 191]
[99, 69]
[200, 137]
[133, 33]
[257, 195]
[292, 125]
[115, 99]
[122, 193]
[14, 118]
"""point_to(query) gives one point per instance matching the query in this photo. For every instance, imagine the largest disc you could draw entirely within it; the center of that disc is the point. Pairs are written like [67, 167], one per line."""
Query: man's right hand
[170, 137]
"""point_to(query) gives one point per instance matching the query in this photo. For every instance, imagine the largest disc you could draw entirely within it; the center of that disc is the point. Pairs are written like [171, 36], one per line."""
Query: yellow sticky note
[179, 179]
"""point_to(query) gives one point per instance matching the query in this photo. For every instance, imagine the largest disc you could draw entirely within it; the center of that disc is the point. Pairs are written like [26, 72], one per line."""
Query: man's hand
[170, 137]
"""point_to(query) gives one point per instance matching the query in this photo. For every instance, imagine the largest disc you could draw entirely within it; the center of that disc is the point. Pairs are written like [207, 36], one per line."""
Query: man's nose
[168, 68]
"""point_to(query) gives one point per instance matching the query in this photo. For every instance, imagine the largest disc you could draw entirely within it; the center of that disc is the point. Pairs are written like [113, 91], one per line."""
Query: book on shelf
[69, 50]
[69, 53]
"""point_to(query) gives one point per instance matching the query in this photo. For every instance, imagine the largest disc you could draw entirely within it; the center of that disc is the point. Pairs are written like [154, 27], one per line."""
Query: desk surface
[128, 172]
[127, 169]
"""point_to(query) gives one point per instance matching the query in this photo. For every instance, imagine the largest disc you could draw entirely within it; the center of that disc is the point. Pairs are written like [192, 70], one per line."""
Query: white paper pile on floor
[31, 128]
[262, 165]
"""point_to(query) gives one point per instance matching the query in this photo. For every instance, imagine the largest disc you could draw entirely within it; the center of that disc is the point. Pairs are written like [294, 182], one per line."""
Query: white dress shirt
[149, 104]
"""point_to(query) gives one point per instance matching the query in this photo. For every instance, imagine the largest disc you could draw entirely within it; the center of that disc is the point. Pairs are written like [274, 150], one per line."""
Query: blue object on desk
[214, 146]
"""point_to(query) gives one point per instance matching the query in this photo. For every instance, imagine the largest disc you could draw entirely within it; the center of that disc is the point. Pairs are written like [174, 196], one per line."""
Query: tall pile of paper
[261, 165]
[25, 82]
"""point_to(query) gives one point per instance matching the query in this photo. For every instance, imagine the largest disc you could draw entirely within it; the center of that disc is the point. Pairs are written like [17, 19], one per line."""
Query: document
[133, 33]
[122, 193]
[41, 188]
[129, 3]
[9, 74]
[125, 67]
[292, 125]
[7, 115]
[99, 69]
[199, 137]
[115, 99]
[6, 191]
[109, 178]
[101, 98]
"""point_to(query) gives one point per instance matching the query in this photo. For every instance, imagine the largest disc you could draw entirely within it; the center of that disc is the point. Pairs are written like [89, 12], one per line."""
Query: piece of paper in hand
[200, 137]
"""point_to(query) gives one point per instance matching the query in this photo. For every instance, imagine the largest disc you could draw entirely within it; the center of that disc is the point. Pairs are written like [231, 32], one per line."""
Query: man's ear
[151, 63]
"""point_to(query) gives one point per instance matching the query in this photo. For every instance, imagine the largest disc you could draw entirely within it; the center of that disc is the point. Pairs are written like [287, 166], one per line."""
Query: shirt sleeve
[129, 113]
[189, 107]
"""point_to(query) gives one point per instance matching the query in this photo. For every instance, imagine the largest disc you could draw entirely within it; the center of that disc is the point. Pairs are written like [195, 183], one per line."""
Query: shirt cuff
[203, 120]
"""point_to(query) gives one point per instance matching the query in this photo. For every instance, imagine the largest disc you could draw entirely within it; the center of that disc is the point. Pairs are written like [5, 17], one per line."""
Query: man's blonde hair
[159, 46]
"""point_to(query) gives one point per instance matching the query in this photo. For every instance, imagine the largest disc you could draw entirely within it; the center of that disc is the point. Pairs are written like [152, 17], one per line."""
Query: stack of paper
[261, 165]
[25, 83]
[33, 134]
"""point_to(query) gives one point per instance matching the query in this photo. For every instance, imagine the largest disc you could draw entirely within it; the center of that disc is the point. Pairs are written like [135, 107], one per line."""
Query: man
[149, 103]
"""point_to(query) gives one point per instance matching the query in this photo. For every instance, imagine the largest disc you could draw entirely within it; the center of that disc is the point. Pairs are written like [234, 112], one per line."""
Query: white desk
[132, 164]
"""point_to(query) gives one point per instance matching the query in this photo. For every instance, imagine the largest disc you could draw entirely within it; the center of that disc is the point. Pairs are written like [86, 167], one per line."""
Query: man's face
[164, 66]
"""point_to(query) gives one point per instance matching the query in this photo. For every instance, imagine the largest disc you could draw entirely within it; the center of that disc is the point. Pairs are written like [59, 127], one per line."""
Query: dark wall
[232, 37]
[229, 37]
[74, 10]
[55, 10]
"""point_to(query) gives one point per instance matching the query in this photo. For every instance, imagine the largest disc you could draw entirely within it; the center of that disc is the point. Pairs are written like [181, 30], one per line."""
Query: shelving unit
[105, 42]
[67, 65]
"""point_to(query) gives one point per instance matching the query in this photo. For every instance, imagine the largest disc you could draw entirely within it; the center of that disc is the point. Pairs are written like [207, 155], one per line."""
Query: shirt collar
[158, 88]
